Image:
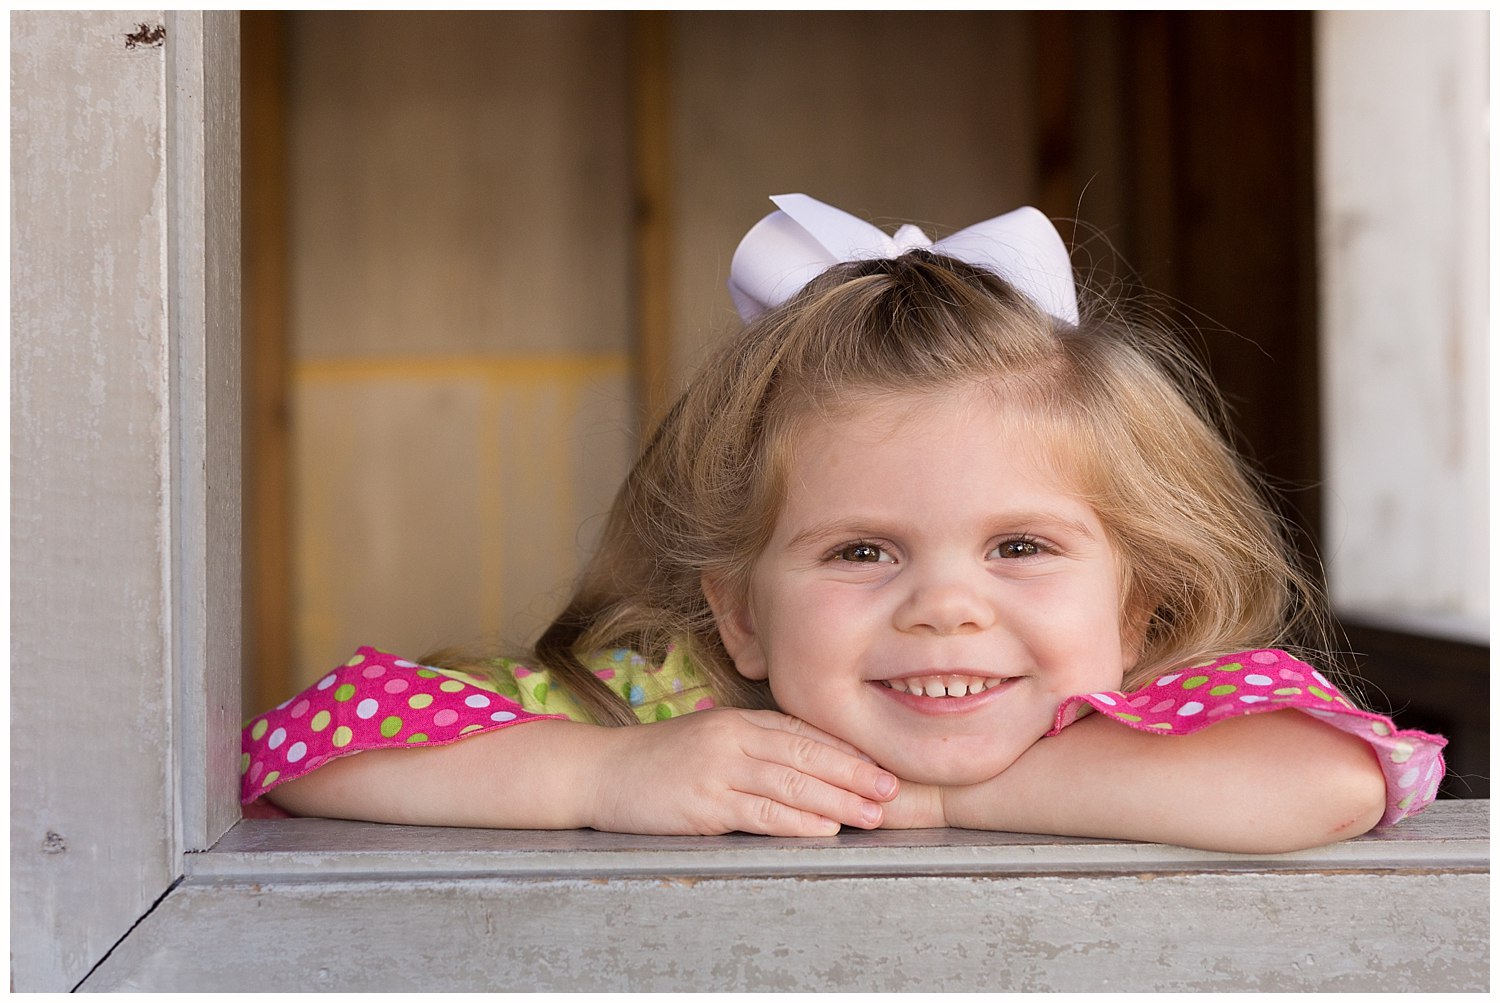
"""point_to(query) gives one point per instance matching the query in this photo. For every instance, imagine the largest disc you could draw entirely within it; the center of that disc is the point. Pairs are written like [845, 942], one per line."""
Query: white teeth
[943, 686]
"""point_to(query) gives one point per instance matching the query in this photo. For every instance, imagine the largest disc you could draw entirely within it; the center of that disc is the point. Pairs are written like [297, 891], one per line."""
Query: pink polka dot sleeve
[1254, 682]
[373, 701]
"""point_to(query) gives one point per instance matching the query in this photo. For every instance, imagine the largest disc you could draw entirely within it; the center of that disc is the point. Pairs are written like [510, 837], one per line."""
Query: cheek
[805, 614]
[809, 643]
[1076, 611]
[794, 635]
[1088, 637]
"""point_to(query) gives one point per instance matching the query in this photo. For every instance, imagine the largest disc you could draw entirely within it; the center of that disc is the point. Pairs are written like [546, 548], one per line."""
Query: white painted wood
[91, 838]
[204, 324]
[1451, 836]
[1403, 193]
[1143, 932]
[124, 469]
[934, 910]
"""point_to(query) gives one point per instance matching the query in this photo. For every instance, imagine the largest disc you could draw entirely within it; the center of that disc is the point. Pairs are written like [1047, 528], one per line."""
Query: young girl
[920, 547]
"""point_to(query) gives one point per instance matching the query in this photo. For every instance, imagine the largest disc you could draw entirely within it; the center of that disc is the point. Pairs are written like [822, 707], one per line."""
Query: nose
[946, 603]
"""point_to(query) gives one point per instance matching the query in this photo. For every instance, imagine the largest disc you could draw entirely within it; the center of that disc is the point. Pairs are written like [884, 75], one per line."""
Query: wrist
[555, 779]
[591, 754]
[957, 805]
[943, 811]
[988, 804]
[916, 806]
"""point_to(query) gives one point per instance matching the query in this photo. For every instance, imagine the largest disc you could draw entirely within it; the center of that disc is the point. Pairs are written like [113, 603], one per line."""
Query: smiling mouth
[945, 685]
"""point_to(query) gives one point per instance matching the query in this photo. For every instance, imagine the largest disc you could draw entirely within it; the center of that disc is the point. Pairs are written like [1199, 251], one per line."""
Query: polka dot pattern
[1256, 682]
[361, 706]
[655, 692]
[378, 701]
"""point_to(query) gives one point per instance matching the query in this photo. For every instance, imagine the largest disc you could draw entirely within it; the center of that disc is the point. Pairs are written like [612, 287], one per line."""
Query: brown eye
[1018, 548]
[860, 553]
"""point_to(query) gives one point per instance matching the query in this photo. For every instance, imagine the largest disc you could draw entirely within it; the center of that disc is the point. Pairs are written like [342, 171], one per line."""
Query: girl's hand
[709, 772]
[729, 770]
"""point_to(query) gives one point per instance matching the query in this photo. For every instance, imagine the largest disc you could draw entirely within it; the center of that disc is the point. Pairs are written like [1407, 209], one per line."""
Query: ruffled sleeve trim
[1255, 682]
[373, 701]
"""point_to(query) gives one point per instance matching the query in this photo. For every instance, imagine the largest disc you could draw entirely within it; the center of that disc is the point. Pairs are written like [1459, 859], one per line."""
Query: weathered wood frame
[125, 691]
[126, 469]
[317, 905]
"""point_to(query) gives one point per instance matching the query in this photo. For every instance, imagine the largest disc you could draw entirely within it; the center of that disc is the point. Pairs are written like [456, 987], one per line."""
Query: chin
[948, 770]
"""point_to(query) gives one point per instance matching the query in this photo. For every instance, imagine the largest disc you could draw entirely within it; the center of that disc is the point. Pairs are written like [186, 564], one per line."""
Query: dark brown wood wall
[1186, 139]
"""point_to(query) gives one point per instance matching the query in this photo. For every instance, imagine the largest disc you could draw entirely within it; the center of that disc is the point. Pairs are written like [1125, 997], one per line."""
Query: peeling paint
[150, 36]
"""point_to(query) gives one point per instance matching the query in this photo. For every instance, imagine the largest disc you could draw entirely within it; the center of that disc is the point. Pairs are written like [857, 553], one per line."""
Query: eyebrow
[856, 527]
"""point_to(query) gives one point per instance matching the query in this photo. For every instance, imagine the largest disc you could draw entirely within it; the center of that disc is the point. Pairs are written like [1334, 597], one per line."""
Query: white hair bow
[798, 242]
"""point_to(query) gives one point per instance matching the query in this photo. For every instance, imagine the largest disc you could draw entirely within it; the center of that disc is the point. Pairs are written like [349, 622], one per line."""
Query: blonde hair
[1207, 568]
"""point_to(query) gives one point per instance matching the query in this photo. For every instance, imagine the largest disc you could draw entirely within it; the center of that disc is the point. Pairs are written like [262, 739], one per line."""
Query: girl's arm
[1266, 783]
[710, 772]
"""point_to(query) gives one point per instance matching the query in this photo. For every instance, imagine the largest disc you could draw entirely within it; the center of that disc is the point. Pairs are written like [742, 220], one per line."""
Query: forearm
[1267, 783]
[710, 772]
[528, 776]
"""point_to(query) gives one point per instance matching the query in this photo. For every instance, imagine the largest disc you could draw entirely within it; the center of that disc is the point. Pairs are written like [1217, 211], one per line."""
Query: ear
[736, 630]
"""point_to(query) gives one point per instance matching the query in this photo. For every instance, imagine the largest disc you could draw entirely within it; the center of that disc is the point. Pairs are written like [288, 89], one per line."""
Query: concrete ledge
[328, 905]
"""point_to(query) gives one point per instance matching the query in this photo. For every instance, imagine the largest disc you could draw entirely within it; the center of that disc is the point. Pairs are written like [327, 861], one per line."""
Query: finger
[769, 817]
[804, 792]
[777, 721]
[830, 764]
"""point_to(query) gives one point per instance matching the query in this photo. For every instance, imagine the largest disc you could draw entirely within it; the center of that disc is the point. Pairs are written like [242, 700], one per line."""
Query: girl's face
[932, 590]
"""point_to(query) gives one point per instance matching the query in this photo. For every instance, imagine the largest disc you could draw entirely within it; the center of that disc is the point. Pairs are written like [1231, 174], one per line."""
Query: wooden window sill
[342, 905]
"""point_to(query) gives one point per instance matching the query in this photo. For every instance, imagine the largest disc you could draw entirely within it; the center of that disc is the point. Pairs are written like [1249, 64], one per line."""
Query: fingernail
[871, 813]
[885, 785]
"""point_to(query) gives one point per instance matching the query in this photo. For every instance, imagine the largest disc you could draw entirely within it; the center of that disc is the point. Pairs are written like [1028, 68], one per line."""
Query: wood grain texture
[905, 117]
[448, 501]
[124, 519]
[266, 433]
[651, 149]
[459, 255]
[1165, 933]
[204, 360]
[931, 910]
[459, 183]
[1452, 836]
[91, 544]
[1083, 132]
[1407, 330]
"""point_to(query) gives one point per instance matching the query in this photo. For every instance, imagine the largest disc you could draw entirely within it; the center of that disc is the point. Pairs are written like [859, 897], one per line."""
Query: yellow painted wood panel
[441, 504]
[460, 315]
[459, 183]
